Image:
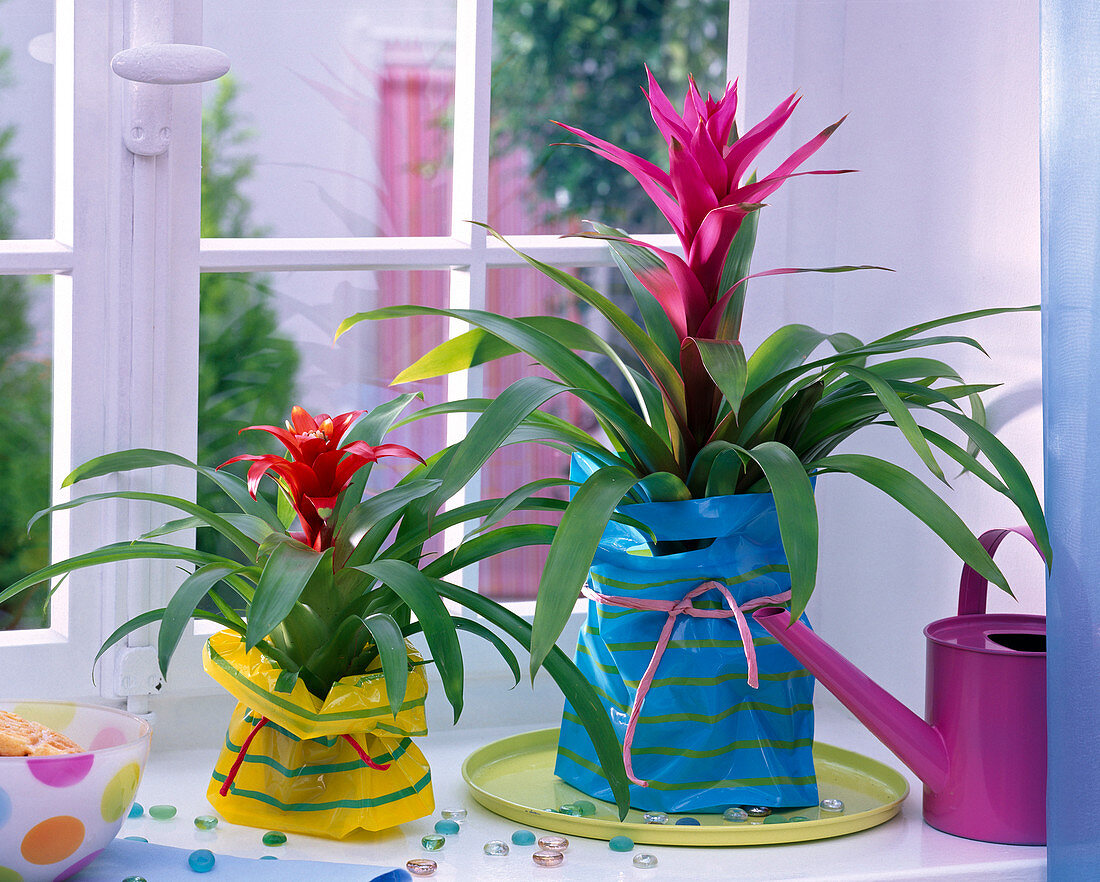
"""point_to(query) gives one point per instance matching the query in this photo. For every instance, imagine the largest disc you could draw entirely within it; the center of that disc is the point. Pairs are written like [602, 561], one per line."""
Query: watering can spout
[914, 741]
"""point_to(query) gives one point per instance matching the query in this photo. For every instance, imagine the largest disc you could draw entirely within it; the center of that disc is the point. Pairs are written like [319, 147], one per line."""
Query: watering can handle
[972, 586]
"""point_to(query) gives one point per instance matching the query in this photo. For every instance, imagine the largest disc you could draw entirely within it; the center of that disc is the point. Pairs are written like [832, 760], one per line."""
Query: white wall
[943, 97]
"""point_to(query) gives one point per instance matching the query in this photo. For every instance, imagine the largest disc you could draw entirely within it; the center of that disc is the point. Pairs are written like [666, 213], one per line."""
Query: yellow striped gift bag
[294, 762]
[711, 711]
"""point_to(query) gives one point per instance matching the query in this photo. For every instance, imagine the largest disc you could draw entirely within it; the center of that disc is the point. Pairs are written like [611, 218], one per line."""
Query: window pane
[347, 130]
[26, 119]
[266, 343]
[25, 379]
[514, 575]
[582, 63]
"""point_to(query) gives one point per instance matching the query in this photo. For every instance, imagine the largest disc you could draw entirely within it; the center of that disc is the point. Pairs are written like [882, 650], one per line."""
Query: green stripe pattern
[705, 739]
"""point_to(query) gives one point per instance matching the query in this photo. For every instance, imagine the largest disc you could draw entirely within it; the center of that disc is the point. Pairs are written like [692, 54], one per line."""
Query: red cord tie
[236, 767]
[363, 755]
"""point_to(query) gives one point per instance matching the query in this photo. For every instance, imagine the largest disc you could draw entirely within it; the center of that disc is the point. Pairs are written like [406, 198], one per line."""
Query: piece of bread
[19, 737]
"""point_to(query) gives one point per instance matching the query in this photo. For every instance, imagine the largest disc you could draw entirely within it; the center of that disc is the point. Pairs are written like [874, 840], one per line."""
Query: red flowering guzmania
[319, 470]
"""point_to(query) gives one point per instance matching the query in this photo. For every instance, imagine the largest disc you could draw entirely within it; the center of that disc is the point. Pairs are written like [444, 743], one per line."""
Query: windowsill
[902, 848]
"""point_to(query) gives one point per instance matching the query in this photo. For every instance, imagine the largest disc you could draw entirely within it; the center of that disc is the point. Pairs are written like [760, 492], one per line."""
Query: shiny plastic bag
[704, 739]
[296, 763]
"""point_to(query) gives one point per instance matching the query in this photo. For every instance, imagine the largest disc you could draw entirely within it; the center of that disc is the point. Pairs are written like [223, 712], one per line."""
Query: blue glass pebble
[446, 827]
[621, 843]
[687, 822]
[136, 838]
[134, 879]
[201, 861]
[523, 837]
[136, 810]
[269, 857]
[587, 807]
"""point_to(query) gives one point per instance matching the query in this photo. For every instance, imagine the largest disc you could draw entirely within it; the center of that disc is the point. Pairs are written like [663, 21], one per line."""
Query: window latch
[152, 65]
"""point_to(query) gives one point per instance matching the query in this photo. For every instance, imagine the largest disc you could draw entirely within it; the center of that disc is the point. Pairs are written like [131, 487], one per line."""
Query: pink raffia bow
[674, 610]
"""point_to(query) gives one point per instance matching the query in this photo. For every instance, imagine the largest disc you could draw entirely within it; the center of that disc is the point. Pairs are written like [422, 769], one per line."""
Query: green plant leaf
[470, 626]
[509, 503]
[144, 458]
[663, 487]
[571, 553]
[284, 577]
[794, 504]
[724, 473]
[256, 529]
[208, 518]
[181, 608]
[900, 414]
[923, 503]
[952, 320]
[736, 267]
[1021, 490]
[725, 362]
[418, 592]
[369, 513]
[112, 554]
[657, 363]
[630, 258]
[569, 679]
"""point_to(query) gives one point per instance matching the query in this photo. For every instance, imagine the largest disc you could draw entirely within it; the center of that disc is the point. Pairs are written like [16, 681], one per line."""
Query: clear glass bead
[645, 861]
[495, 847]
[655, 818]
[832, 805]
[757, 811]
[453, 814]
[571, 809]
[735, 814]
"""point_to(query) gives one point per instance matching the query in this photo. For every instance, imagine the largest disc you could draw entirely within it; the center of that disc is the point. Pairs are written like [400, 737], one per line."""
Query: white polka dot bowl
[59, 813]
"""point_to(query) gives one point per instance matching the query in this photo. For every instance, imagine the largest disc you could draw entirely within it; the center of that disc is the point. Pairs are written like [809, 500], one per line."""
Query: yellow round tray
[514, 778]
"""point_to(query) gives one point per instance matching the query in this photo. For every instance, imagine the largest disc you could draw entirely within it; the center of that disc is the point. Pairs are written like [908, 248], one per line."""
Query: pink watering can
[982, 754]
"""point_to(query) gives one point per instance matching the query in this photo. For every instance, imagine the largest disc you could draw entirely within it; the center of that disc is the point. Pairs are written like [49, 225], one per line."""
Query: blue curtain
[1070, 188]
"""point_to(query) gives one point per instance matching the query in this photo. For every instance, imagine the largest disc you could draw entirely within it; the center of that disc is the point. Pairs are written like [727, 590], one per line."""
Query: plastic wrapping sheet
[1070, 189]
[299, 772]
[705, 739]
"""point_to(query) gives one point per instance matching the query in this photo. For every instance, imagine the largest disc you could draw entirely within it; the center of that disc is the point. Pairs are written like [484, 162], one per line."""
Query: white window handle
[152, 64]
[170, 64]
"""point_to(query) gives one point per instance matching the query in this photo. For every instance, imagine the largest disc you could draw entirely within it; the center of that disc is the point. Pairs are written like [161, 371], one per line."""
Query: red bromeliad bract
[319, 470]
[702, 195]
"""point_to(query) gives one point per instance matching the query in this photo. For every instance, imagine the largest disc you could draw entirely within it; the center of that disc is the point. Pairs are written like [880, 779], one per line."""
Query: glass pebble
[554, 843]
[447, 827]
[757, 811]
[421, 866]
[206, 822]
[797, 818]
[645, 861]
[547, 858]
[162, 812]
[433, 841]
[655, 818]
[454, 814]
[571, 809]
[523, 837]
[273, 838]
[495, 847]
[687, 822]
[588, 809]
[832, 805]
[621, 843]
[136, 838]
[136, 810]
[201, 861]
[269, 857]
[735, 814]
[134, 879]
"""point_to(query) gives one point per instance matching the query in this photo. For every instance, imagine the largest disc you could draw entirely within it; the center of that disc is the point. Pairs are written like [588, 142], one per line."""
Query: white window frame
[126, 256]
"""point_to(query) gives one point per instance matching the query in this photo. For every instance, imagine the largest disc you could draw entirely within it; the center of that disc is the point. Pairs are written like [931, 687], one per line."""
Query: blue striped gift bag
[704, 738]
